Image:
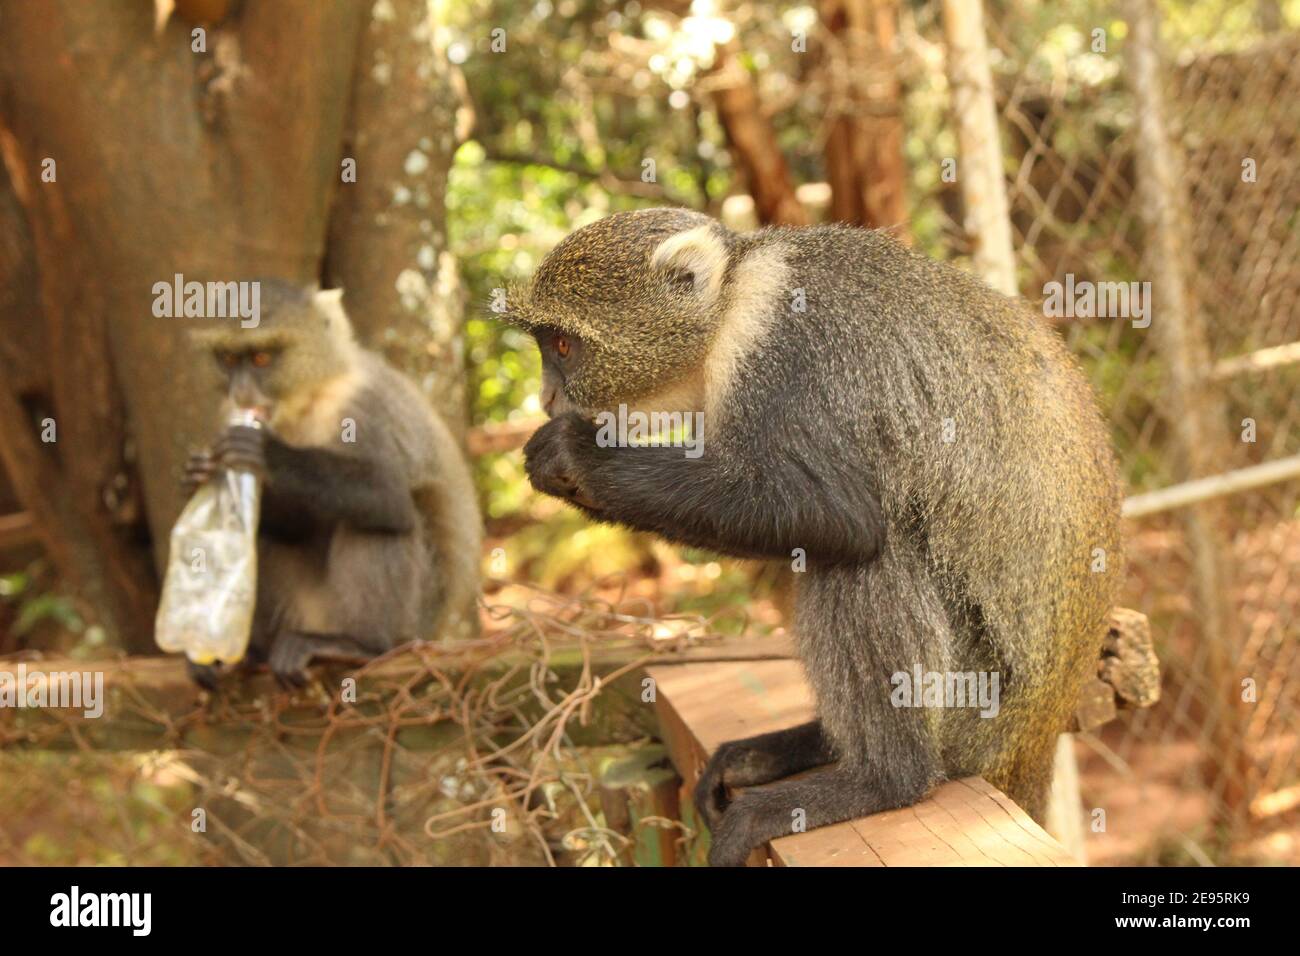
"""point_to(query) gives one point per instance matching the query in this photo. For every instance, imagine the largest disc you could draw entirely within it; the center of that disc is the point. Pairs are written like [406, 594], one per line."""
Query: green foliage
[147, 798]
[34, 606]
[568, 551]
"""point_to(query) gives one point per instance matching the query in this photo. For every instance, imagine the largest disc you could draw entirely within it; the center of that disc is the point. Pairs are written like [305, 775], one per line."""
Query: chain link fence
[528, 746]
[1211, 773]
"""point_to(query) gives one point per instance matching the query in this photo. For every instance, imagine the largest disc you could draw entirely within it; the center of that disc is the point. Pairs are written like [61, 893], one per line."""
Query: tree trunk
[221, 164]
[753, 141]
[864, 149]
[388, 232]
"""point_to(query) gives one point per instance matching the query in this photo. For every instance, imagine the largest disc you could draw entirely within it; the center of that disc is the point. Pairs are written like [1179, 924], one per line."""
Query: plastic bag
[210, 589]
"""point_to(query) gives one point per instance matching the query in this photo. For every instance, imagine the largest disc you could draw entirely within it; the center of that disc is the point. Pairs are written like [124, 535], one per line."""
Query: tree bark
[753, 141]
[864, 149]
[388, 232]
[218, 165]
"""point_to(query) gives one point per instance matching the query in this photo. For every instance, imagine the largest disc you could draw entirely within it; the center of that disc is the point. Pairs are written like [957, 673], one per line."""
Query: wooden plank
[150, 702]
[633, 788]
[731, 699]
[962, 823]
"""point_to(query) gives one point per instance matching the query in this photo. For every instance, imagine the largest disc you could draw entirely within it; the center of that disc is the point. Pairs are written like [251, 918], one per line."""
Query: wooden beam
[1215, 486]
[1262, 360]
[962, 823]
[150, 703]
[975, 116]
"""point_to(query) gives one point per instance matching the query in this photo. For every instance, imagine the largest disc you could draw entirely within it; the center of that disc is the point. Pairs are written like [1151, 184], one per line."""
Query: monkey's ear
[329, 303]
[328, 300]
[694, 260]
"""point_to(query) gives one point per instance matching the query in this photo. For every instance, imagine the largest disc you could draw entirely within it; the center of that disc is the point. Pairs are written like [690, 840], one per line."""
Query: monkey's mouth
[260, 408]
[555, 402]
[263, 411]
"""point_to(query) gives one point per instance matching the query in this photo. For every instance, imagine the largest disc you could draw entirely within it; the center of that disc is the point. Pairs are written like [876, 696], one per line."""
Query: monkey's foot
[711, 799]
[290, 655]
[794, 806]
[757, 760]
[293, 651]
[205, 675]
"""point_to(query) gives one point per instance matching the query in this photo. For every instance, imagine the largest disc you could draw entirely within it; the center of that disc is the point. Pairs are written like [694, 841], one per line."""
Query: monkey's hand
[552, 459]
[242, 447]
[199, 469]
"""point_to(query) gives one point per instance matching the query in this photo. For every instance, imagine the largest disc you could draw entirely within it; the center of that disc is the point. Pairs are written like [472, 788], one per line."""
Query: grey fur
[970, 555]
[365, 543]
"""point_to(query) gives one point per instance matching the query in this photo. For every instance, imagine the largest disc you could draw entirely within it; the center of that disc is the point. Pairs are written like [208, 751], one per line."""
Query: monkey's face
[259, 370]
[562, 355]
[299, 345]
[251, 375]
[589, 367]
[625, 309]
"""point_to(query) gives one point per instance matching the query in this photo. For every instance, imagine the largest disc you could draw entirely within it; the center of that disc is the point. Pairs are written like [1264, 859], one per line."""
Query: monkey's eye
[228, 359]
[562, 346]
[262, 359]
